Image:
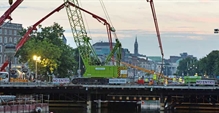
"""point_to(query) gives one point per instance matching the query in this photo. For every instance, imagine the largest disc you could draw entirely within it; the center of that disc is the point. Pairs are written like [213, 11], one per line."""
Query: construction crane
[94, 73]
[157, 31]
[7, 14]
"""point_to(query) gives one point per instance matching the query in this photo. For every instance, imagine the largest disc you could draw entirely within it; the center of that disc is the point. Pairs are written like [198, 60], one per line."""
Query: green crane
[80, 35]
[95, 70]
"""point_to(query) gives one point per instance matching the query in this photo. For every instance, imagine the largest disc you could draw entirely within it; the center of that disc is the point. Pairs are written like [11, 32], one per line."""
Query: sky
[185, 25]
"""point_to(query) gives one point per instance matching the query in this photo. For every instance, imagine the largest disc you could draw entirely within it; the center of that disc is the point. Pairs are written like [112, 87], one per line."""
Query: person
[180, 79]
[146, 80]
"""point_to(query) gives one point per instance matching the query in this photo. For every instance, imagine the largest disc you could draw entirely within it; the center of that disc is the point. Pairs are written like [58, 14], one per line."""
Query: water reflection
[104, 110]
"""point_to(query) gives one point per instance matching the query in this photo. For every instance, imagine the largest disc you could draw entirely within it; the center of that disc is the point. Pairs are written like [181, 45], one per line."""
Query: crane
[93, 72]
[6, 15]
[157, 30]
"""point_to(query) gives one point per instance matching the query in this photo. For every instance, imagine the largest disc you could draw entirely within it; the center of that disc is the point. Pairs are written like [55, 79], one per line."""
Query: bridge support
[138, 107]
[88, 103]
[98, 105]
[161, 103]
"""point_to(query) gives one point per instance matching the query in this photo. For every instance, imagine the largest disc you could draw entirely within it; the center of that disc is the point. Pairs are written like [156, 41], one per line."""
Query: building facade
[9, 33]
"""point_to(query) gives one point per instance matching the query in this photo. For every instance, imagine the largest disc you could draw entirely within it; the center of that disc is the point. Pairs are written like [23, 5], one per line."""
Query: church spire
[136, 46]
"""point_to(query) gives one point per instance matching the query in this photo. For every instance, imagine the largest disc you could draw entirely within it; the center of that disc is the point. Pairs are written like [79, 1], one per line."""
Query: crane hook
[10, 2]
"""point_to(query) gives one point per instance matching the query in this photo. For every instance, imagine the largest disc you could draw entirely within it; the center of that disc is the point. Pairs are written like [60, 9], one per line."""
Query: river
[105, 110]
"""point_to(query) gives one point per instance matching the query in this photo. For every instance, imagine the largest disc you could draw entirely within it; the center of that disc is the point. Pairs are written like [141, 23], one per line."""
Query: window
[0, 31]
[5, 40]
[15, 32]
[0, 48]
[10, 32]
[6, 31]
[0, 39]
[5, 58]
[15, 40]
[15, 60]
[10, 39]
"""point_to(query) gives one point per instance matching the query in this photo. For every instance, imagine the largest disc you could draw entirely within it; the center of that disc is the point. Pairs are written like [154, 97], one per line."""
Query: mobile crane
[94, 68]
[99, 73]
[6, 16]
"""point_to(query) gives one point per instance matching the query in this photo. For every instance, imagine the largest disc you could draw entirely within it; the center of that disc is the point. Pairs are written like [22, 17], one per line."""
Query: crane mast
[80, 35]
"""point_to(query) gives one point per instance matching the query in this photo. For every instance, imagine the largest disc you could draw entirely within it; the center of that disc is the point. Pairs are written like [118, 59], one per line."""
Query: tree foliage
[56, 56]
[187, 66]
[208, 65]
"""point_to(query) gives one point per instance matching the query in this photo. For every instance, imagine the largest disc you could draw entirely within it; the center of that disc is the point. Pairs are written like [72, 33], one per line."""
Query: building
[172, 63]
[9, 33]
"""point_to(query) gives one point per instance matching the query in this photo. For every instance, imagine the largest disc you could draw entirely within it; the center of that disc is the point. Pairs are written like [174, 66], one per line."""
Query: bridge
[168, 96]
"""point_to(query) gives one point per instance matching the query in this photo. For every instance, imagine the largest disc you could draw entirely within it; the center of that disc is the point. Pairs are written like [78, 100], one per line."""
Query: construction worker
[180, 79]
[162, 80]
[154, 78]
[165, 82]
[174, 79]
[146, 80]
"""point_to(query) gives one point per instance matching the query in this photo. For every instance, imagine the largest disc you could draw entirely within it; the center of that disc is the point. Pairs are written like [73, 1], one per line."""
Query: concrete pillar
[138, 107]
[99, 104]
[161, 103]
[88, 102]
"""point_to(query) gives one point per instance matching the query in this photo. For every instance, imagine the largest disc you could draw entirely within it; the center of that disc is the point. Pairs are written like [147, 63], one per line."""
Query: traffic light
[215, 30]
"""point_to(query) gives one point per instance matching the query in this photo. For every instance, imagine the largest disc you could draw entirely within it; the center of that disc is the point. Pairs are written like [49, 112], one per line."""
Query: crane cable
[107, 16]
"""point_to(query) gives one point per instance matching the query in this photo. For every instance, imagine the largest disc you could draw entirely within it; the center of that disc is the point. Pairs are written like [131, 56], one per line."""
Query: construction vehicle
[96, 72]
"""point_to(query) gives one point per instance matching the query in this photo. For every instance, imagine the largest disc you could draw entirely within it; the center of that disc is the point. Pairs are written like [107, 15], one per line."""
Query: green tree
[56, 57]
[187, 66]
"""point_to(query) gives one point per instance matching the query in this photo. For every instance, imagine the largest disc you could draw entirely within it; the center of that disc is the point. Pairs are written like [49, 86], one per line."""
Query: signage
[60, 80]
[205, 82]
[117, 81]
[99, 68]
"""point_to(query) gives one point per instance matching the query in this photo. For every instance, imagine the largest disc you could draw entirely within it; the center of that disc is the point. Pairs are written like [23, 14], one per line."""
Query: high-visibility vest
[154, 77]
[180, 80]
[174, 79]
[146, 80]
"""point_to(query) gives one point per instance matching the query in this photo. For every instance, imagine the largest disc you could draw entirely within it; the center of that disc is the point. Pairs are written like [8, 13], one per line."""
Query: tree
[187, 66]
[56, 57]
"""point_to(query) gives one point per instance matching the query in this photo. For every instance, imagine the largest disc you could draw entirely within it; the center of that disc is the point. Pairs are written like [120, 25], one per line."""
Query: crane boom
[26, 35]
[6, 15]
[80, 35]
[156, 26]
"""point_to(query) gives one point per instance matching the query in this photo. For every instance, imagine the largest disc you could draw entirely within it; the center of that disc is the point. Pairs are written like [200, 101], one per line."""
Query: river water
[105, 110]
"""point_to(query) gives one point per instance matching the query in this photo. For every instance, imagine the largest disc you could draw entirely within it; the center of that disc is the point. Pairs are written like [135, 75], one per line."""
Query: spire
[136, 39]
[136, 46]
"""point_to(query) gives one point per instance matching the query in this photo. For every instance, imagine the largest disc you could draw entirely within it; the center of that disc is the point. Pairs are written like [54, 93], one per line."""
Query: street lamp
[37, 59]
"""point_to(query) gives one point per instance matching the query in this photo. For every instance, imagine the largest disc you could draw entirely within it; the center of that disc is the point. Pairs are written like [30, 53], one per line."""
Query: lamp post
[37, 59]
[10, 50]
